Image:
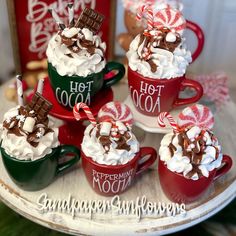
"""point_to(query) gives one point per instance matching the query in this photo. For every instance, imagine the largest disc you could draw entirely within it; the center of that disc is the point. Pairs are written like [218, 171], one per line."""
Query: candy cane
[57, 19]
[40, 86]
[71, 14]
[19, 90]
[162, 116]
[87, 111]
[146, 9]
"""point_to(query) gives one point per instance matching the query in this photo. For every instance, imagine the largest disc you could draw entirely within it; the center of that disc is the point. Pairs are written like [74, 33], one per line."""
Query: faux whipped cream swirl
[24, 145]
[76, 51]
[168, 57]
[108, 151]
[193, 153]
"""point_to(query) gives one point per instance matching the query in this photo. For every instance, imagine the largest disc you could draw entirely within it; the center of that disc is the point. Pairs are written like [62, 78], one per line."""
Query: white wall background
[216, 17]
[218, 20]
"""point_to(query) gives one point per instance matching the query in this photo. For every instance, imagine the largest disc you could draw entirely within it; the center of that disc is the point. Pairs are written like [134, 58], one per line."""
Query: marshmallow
[69, 33]
[29, 124]
[170, 37]
[105, 128]
[87, 34]
[193, 132]
[121, 126]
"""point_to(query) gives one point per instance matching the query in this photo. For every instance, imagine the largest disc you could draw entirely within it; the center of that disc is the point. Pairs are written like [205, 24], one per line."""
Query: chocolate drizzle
[156, 39]
[78, 43]
[195, 154]
[120, 140]
[76, 40]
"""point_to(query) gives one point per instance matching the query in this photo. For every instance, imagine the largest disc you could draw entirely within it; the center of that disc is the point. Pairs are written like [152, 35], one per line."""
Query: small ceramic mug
[69, 90]
[153, 96]
[109, 180]
[36, 175]
[182, 190]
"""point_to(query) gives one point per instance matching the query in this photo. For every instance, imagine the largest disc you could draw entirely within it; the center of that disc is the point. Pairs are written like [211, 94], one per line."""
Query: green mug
[36, 175]
[69, 90]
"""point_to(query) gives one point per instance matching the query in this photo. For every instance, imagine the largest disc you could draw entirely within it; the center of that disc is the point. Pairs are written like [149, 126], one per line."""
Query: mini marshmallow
[121, 126]
[113, 133]
[29, 124]
[87, 34]
[69, 33]
[170, 37]
[154, 44]
[193, 132]
[105, 128]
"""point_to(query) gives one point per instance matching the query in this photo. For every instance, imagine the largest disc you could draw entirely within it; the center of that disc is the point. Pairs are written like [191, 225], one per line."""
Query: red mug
[152, 96]
[182, 190]
[196, 29]
[109, 180]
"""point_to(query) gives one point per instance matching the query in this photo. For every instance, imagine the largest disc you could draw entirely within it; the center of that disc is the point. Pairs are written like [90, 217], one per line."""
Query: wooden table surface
[218, 196]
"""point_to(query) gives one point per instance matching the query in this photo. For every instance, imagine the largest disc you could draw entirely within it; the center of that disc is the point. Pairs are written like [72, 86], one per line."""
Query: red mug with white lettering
[153, 96]
[110, 180]
[182, 190]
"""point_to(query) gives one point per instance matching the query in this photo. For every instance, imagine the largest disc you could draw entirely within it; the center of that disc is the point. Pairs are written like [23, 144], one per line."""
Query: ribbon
[215, 87]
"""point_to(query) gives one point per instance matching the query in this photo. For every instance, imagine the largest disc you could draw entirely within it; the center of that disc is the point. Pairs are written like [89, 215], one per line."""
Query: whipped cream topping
[166, 60]
[24, 145]
[193, 153]
[114, 154]
[75, 51]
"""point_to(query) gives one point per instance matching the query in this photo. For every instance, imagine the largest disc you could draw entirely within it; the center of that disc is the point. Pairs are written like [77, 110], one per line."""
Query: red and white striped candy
[171, 19]
[87, 111]
[169, 117]
[116, 111]
[145, 9]
[196, 115]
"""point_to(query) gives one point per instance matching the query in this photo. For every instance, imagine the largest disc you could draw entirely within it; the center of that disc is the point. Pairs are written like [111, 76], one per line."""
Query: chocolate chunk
[90, 19]
[152, 65]
[40, 105]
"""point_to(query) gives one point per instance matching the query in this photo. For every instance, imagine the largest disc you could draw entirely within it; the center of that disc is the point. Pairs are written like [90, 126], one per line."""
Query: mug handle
[200, 38]
[144, 151]
[194, 85]
[227, 164]
[110, 66]
[68, 149]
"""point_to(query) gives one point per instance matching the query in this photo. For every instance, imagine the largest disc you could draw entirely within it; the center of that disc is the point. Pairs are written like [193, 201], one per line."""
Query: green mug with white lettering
[69, 90]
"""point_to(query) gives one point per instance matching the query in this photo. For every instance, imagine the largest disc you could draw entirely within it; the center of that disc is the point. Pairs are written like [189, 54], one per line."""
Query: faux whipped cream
[76, 51]
[163, 58]
[193, 153]
[27, 145]
[107, 150]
